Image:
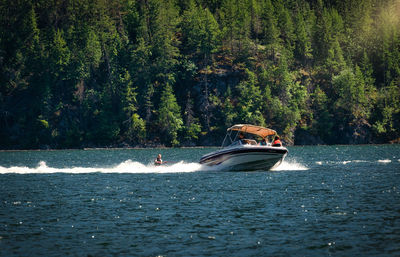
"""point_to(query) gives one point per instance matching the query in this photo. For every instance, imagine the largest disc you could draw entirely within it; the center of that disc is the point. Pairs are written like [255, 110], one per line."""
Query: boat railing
[228, 135]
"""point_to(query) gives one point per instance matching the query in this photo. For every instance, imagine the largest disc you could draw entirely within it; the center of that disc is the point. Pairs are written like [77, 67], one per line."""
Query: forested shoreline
[126, 73]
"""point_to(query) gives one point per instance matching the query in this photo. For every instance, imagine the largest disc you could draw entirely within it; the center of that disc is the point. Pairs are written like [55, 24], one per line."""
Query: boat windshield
[235, 143]
[232, 139]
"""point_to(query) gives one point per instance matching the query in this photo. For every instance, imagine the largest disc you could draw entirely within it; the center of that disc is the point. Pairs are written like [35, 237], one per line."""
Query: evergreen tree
[201, 32]
[303, 46]
[102, 73]
[136, 129]
[285, 24]
[269, 23]
[242, 25]
[248, 108]
[323, 120]
[229, 114]
[329, 28]
[255, 24]
[192, 127]
[387, 115]
[227, 16]
[169, 119]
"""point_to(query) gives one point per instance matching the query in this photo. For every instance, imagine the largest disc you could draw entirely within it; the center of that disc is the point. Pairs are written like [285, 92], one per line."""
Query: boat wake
[290, 165]
[385, 161]
[133, 167]
[124, 167]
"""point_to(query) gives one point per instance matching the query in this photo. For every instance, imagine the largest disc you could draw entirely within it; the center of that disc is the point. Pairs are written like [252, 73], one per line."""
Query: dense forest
[119, 73]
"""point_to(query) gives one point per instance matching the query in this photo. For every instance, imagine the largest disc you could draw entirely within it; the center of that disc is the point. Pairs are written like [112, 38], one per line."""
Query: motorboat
[241, 152]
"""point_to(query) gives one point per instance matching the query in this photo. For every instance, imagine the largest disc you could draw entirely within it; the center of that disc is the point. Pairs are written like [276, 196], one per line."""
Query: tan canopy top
[252, 129]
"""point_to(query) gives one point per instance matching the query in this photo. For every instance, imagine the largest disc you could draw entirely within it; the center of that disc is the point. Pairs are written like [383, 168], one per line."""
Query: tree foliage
[108, 73]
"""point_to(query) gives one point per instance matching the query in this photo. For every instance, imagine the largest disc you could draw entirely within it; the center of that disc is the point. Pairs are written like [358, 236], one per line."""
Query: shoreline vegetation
[172, 73]
[110, 148]
[162, 147]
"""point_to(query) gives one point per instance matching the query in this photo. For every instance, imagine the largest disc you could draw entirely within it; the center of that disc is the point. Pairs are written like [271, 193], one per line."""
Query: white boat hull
[245, 158]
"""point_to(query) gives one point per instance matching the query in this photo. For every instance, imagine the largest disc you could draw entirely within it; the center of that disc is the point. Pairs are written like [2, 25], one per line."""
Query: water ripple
[337, 202]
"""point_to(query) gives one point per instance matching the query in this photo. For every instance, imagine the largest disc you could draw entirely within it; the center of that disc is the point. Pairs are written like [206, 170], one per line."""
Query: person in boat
[264, 142]
[277, 142]
[158, 161]
[241, 138]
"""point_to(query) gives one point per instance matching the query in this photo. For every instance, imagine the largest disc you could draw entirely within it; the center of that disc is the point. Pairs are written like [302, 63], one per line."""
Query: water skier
[158, 161]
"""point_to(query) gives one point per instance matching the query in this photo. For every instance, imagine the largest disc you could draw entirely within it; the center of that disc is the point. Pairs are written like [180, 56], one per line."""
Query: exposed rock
[304, 137]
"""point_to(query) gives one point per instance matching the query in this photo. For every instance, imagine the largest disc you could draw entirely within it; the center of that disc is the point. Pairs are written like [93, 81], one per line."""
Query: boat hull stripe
[241, 151]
